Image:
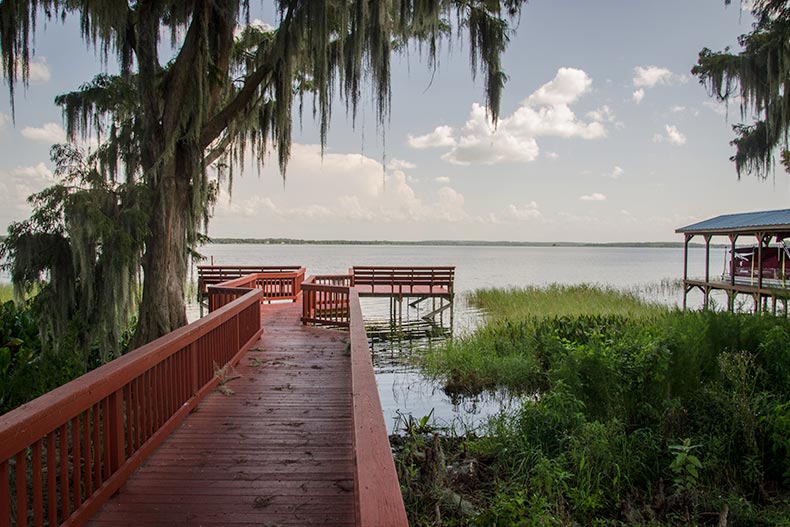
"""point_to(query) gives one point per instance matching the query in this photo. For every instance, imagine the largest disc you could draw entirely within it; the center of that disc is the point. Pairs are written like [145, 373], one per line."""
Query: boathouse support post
[760, 239]
[688, 237]
[731, 297]
[707, 270]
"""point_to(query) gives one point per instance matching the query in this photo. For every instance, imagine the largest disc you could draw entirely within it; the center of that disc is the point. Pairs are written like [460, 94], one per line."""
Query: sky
[604, 136]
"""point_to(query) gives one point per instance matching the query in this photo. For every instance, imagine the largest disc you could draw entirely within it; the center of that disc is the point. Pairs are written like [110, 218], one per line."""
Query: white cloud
[616, 172]
[400, 164]
[38, 72]
[342, 188]
[602, 114]
[565, 88]
[552, 155]
[17, 184]
[544, 113]
[256, 23]
[718, 107]
[595, 196]
[672, 135]
[677, 109]
[48, 133]
[441, 136]
[529, 211]
[39, 171]
[4, 120]
[722, 107]
[442, 179]
[649, 76]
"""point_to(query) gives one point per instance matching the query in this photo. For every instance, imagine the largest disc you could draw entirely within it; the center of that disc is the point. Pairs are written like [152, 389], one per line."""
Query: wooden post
[707, 270]
[733, 239]
[117, 451]
[760, 260]
[686, 268]
[5, 496]
[193, 369]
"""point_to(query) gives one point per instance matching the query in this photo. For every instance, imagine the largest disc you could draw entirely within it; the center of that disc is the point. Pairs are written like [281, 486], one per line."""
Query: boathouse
[759, 268]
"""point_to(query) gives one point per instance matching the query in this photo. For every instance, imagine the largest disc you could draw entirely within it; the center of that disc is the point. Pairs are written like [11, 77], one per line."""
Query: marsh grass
[504, 353]
[616, 388]
[559, 300]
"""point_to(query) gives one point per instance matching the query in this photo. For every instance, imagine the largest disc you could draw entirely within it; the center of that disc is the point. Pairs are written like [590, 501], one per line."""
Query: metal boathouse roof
[767, 221]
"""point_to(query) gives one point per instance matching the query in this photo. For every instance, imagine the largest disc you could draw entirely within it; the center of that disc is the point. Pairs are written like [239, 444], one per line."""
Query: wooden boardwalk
[275, 451]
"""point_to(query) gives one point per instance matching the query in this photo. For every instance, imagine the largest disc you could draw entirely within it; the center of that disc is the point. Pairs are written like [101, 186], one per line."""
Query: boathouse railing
[65, 453]
[377, 494]
[277, 283]
[326, 302]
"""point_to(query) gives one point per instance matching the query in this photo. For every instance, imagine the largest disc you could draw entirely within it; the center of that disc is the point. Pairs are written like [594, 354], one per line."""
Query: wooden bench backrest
[380, 275]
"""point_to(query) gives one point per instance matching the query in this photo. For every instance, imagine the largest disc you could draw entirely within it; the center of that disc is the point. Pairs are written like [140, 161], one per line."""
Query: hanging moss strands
[760, 75]
[229, 88]
[81, 249]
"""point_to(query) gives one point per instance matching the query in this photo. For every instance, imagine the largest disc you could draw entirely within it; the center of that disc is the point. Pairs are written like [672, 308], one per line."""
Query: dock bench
[403, 281]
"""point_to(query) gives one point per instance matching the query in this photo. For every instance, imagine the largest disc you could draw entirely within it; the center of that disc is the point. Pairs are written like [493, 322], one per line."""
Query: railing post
[237, 319]
[5, 496]
[193, 368]
[117, 450]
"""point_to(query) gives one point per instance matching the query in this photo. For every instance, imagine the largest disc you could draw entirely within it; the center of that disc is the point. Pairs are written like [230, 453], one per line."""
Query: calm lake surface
[650, 272]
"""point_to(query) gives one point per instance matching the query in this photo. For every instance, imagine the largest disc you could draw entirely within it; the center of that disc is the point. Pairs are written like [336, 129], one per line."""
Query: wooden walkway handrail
[275, 285]
[219, 274]
[377, 493]
[323, 303]
[84, 439]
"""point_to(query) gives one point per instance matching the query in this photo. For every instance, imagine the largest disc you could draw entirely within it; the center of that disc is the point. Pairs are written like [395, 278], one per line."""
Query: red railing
[275, 286]
[377, 495]
[277, 283]
[72, 448]
[323, 302]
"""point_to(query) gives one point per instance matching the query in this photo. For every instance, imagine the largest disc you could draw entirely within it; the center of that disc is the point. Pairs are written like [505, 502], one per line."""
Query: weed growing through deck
[256, 362]
[225, 374]
[638, 415]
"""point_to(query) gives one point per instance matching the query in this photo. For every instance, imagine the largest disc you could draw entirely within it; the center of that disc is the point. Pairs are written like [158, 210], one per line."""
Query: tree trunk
[162, 307]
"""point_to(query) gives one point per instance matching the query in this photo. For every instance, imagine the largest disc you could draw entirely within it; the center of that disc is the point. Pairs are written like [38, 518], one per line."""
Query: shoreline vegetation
[626, 413]
[455, 243]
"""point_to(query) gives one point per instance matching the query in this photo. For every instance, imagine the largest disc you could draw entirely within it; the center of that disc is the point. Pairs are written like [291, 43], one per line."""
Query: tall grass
[637, 414]
[502, 353]
[559, 300]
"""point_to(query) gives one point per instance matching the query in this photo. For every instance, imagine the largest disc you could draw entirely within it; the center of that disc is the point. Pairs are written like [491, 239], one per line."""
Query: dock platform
[260, 413]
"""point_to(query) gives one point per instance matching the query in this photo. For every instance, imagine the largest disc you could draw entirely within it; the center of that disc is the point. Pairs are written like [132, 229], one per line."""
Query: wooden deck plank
[277, 451]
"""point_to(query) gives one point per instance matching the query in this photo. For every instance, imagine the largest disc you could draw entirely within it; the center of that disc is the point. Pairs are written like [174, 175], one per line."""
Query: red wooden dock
[275, 450]
[172, 434]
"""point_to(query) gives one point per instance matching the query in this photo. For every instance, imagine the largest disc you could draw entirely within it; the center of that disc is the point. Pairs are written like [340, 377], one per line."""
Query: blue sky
[604, 136]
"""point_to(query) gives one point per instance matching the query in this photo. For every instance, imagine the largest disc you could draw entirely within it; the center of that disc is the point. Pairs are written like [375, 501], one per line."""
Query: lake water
[403, 389]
